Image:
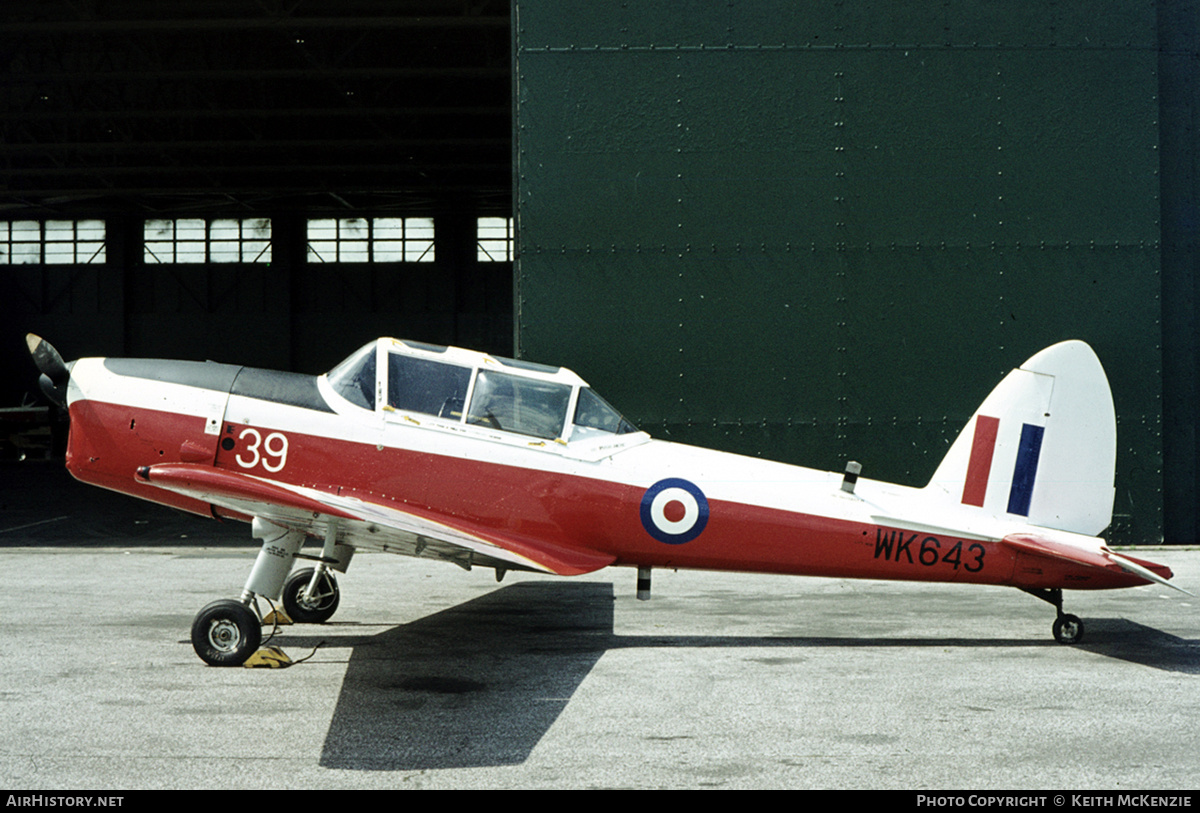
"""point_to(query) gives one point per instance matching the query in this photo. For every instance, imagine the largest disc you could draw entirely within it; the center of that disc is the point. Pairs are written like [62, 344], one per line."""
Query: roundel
[674, 511]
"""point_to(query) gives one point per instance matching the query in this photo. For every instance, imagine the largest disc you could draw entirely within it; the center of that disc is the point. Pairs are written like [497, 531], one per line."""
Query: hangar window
[53, 242]
[494, 239]
[371, 240]
[195, 240]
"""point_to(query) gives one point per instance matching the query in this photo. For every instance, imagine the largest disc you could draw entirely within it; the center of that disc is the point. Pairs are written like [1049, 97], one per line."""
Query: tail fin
[1042, 446]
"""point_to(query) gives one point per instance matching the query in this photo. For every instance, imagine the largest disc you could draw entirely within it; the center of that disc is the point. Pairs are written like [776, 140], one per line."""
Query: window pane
[322, 230]
[389, 228]
[389, 251]
[429, 387]
[60, 242]
[158, 230]
[189, 252]
[224, 230]
[494, 239]
[60, 253]
[419, 228]
[60, 230]
[256, 251]
[521, 405]
[355, 228]
[189, 230]
[418, 240]
[352, 251]
[91, 236]
[594, 412]
[90, 253]
[26, 242]
[225, 236]
[354, 378]
[224, 252]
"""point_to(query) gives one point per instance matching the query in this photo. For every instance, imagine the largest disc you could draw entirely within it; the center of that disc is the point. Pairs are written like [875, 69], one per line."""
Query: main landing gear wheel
[226, 633]
[1068, 629]
[324, 601]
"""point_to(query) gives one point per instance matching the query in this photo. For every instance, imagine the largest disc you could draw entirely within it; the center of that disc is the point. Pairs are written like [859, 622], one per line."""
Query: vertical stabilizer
[1042, 447]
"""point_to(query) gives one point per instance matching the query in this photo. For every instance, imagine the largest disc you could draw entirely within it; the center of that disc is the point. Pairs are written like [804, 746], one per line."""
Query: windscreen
[593, 412]
[354, 378]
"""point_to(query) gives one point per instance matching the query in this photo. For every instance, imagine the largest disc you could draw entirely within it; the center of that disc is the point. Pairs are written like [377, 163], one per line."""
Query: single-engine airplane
[482, 461]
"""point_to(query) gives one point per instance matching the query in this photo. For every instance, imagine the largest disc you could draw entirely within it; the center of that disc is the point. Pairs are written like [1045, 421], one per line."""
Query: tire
[1068, 629]
[321, 608]
[226, 633]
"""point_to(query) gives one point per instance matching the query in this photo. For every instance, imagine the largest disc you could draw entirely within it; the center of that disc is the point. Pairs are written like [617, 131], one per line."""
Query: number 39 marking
[271, 451]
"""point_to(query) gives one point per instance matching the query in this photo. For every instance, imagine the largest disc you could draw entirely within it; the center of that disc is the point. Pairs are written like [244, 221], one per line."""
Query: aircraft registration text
[911, 548]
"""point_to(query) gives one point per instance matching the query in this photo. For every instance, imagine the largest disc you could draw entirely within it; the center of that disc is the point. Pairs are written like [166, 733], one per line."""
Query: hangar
[813, 233]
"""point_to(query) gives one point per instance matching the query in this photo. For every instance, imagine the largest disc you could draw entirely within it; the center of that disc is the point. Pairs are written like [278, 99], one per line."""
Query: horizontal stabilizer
[1100, 557]
[1145, 572]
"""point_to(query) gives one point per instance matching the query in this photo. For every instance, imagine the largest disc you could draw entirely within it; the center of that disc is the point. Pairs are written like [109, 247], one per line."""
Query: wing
[1102, 557]
[371, 523]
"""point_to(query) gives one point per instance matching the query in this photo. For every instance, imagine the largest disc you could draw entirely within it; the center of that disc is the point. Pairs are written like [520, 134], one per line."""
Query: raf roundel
[674, 511]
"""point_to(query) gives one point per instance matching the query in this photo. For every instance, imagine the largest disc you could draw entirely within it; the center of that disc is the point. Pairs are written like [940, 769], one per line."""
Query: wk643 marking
[900, 546]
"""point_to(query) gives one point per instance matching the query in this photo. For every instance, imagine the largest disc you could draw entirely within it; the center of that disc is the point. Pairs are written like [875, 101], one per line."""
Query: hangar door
[819, 233]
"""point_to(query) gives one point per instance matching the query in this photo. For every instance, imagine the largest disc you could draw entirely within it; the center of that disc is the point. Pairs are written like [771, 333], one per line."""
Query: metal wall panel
[821, 234]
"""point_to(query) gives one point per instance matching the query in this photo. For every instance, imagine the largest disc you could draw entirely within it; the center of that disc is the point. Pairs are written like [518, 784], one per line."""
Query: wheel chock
[269, 657]
[277, 617]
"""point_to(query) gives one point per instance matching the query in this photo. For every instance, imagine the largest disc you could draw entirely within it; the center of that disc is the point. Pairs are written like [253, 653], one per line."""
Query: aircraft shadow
[1129, 641]
[481, 683]
[475, 685]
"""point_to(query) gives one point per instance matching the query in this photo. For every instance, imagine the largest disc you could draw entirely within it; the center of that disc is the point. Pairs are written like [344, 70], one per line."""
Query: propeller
[55, 372]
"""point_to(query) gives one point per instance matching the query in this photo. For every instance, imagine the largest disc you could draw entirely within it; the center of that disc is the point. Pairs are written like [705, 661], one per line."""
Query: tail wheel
[1068, 629]
[320, 607]
[226, 633]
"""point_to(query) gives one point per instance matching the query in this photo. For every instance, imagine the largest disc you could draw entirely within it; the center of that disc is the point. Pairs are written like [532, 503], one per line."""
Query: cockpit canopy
[463, 386]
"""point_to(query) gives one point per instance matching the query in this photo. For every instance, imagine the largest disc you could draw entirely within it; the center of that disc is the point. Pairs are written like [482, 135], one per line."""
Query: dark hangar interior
[201, 122]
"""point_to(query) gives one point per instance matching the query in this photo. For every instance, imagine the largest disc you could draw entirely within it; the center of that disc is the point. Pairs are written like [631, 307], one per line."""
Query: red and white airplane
[491, 462]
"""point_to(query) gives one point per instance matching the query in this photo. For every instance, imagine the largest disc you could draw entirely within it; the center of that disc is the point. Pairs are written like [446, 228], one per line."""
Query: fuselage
[645, 502]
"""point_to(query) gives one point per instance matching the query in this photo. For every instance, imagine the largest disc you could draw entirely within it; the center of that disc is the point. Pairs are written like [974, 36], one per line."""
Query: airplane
[482, 461]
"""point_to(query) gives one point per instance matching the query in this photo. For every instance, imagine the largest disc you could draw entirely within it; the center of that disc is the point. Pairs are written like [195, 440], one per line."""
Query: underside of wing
[1101, 557]
[369, 524]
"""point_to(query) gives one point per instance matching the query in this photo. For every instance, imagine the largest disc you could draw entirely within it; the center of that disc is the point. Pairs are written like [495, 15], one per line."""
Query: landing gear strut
[228, 632]
[1068, 629]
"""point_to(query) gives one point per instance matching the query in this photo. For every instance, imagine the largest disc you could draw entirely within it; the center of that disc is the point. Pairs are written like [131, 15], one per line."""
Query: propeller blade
[55, 373]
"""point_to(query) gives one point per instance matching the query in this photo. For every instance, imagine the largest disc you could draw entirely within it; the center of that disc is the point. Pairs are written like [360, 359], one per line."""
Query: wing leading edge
[368, 524]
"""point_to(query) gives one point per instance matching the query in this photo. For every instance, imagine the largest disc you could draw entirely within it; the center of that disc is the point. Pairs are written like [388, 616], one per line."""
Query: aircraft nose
[55, 372]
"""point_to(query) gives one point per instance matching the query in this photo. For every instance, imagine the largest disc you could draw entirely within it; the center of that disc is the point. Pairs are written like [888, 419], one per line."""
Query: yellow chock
[277, 617]
[269, 657]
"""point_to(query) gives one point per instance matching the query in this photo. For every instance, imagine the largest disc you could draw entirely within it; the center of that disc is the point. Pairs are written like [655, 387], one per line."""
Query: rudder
[1042, 447]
